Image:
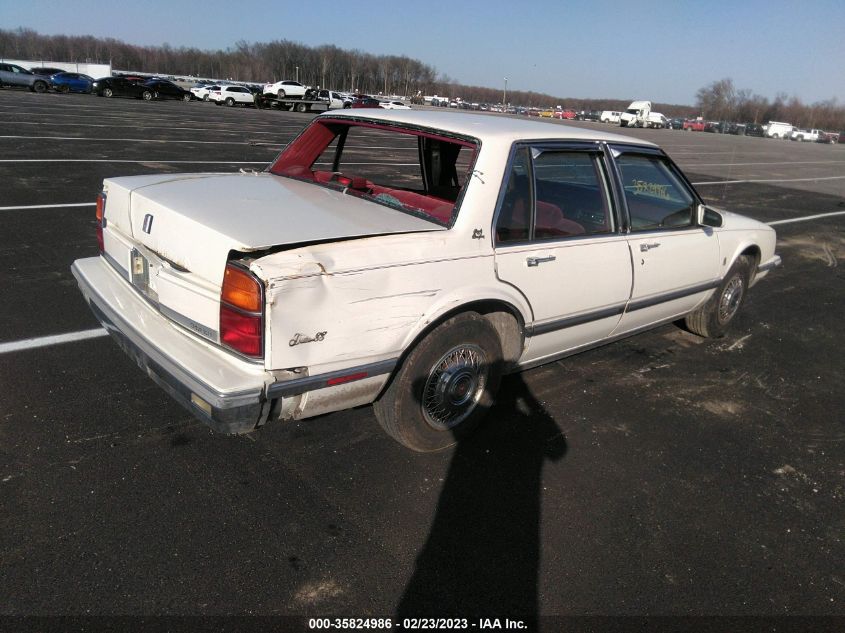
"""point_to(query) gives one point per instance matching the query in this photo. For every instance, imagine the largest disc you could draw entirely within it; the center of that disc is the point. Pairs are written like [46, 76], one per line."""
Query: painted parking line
[48, 341]
[136, 140]
[240, 131]
[49, 206]
[784, 162]
[732, 182]
[149, 160]
[805, 218]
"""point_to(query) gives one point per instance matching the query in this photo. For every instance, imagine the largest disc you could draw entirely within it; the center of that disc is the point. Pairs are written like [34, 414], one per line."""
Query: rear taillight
[101, 219]
[242, 312]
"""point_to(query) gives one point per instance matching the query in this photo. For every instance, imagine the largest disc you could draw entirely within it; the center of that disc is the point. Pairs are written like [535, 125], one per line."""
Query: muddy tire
[444, 386]
[713, 318]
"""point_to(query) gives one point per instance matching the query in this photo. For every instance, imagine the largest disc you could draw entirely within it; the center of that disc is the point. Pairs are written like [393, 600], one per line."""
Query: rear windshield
[422, 173]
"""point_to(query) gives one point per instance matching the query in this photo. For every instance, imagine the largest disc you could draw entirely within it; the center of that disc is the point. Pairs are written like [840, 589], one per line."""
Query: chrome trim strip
[639, 304]
[298, 386]
[535, 329]
[114, 264]
[774, 262]
[583, 348]
[193, 326]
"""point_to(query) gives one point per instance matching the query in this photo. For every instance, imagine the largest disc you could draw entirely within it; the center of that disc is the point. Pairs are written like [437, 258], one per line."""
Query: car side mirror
[705, 216]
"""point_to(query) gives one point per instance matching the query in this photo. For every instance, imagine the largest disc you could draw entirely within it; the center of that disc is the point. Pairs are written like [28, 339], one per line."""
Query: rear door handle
[646, 247]
[536, 261]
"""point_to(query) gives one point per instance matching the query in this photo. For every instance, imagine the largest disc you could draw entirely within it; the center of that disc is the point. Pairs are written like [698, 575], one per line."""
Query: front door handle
[536, 261]
[646, 247]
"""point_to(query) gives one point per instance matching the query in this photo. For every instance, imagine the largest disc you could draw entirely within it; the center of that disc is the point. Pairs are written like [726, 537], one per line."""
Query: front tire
[147, 95]
[39, 86]
[445, 385]
[713, 318]
[186, 97]
[108, 93]
[230, 102]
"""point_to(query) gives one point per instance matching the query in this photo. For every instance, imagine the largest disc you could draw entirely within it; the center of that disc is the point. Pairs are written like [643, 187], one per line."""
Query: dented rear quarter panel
[368, 299]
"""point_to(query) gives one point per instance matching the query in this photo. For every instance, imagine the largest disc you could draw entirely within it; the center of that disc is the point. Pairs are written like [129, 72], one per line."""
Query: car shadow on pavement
[482, 556]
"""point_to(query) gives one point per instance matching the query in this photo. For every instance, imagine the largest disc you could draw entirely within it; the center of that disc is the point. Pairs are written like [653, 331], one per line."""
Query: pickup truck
[828, 137]
[810, 136]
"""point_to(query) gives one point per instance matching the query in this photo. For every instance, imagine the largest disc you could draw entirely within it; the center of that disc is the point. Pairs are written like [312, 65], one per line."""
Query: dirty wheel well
[753, 253]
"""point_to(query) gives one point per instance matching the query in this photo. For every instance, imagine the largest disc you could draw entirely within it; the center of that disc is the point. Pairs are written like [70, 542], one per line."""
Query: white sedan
[337, 278]
[286, 89]
[201, 92]
[394, 105]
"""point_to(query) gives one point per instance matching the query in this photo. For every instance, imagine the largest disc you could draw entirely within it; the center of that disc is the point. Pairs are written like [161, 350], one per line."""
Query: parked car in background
[754, 129]
[588, 115]
[808, 136]
[287, 89]
[119, 87]
[71, 82]
[677, 123]
[364, 101]
[330, 281]
[232, 96]
[563, 114]
[14, 75]
[736, 128]
[696, 125]
[201, 92]
[828, 137]
[778, 129]
[334, 99]
[394, 105]
[47, 71]
[163, 89]
[610, 116]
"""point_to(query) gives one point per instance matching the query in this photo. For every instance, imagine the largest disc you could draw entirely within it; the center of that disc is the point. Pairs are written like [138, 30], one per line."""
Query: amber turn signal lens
[101, 206]
[240, 289]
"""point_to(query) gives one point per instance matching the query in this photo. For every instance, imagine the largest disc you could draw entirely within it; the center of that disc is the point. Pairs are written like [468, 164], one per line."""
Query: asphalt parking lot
[661, 475]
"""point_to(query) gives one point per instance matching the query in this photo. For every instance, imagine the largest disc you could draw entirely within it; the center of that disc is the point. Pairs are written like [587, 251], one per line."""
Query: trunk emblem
[148, 223]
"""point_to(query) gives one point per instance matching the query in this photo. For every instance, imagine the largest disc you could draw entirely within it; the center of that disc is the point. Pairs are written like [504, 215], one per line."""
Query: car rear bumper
[226, 393]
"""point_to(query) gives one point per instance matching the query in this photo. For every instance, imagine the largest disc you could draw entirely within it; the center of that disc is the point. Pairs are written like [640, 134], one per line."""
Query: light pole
[505, 96]
[297, 74]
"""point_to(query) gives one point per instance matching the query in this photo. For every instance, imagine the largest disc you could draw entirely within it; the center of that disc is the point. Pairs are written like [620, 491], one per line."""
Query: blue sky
[662, 51]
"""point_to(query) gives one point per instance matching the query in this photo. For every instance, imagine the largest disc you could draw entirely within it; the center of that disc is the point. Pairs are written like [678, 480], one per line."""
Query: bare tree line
[722, 101]
[337, 68]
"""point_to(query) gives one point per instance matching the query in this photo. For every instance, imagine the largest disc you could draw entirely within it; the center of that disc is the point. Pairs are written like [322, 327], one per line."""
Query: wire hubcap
[454, 386]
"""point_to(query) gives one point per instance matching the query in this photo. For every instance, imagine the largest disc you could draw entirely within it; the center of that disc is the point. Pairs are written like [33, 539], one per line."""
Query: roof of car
[487, 126]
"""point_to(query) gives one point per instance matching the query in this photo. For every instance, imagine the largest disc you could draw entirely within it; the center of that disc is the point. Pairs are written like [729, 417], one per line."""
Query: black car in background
[120, 87]
[754, 129]
[163, 89]
[677, 123]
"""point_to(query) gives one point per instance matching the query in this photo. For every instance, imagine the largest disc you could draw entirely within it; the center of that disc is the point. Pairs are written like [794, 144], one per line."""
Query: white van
[776, 129]
[610, 116]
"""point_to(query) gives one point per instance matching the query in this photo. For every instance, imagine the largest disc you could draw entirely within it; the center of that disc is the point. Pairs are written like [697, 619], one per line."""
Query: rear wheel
[205, 97]
[63, 89]
[186, 96]
[230, 102]
[107, 92]
[445, 385]
[147, 95]
[712, 319]
[302, 107]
